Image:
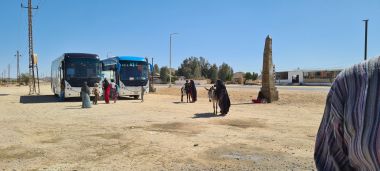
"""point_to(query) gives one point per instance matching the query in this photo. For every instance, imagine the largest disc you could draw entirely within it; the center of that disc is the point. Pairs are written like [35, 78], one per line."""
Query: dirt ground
[39, 133]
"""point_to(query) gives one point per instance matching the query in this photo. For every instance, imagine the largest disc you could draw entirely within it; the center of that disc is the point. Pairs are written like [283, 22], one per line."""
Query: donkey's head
[211, 93]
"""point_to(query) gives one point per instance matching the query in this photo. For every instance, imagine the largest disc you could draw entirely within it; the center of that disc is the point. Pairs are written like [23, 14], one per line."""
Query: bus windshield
[134, 73]
[79, 70]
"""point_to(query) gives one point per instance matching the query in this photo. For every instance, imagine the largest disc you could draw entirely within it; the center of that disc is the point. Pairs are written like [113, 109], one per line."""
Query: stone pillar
[268, 89]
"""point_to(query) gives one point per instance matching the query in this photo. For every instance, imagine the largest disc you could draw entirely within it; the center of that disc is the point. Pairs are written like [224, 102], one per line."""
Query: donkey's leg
[216, 104]
[216, 107]
[213, 107]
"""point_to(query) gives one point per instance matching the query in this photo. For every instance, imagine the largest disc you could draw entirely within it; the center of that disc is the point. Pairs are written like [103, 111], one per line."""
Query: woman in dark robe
[193, 91]
[85, 94]
[106, 90]
[222, 95]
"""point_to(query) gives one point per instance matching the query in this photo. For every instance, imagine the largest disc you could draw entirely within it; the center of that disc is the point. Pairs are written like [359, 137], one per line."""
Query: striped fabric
[349, 135]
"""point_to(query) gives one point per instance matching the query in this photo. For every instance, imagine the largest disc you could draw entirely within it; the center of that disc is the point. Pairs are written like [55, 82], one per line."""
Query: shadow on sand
[54, 99]
[206, 115]
[248, 103]
[4, 94]
[38, 99]
[179, 102]
[69, 108]
[125, 98]
[46, 99]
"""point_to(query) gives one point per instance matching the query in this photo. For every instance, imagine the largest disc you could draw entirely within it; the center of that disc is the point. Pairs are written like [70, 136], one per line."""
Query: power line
[40, 3]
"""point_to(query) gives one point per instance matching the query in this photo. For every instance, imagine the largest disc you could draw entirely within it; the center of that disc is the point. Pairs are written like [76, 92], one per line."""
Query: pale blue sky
[306, 33]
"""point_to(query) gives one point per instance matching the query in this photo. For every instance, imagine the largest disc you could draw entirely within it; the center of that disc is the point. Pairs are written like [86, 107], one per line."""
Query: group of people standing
[109, 89]
[220, 92]
[191, 90]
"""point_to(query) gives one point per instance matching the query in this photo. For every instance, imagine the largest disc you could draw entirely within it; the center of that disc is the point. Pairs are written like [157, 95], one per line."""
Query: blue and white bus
[74, 69]
[129, 72]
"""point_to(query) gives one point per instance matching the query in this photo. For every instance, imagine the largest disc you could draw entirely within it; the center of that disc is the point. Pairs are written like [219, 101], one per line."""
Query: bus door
[117, 73]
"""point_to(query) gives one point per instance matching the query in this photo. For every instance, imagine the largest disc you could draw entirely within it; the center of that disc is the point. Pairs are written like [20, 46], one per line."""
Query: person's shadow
[205, 115]
[179, 102]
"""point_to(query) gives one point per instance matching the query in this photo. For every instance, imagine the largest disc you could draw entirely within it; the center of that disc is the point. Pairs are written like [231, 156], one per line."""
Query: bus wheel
[136, 97]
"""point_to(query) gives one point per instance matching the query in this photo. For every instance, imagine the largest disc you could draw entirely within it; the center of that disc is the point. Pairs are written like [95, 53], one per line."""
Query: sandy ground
[38, 133]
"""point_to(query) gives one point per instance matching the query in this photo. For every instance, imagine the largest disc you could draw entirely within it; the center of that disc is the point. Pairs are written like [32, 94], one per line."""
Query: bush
[24, 78]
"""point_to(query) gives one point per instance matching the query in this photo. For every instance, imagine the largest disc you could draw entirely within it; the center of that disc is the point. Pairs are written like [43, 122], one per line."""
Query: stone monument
[268, 89]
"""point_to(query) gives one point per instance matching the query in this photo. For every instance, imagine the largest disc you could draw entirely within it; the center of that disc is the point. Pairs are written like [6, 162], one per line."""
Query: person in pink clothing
[106, 90]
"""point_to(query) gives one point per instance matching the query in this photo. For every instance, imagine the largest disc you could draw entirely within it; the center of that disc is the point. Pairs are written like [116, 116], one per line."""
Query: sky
[307, 34]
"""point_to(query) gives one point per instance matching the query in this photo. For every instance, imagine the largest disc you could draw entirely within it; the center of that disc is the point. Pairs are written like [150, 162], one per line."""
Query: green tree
[197, 73]
[164, 74]
[255, 76]
[205, 67]
[248, 76]
[194, 67]
[225, 72]
[156, 69]
[231, 74]
[213, 73]
[185, 68]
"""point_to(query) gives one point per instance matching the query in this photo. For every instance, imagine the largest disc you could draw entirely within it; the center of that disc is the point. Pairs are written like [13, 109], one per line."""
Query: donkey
[185, 92]
[212, 98]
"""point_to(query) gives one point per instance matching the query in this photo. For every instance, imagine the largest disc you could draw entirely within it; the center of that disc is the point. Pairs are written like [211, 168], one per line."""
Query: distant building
[238, 78]
[307, 77]
[157, 78]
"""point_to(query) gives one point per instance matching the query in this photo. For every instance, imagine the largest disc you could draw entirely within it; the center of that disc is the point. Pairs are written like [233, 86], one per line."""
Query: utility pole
[18, 66]
[365, 39]
[5, 75]
[32, 86]
[9, 73]
[170, 59]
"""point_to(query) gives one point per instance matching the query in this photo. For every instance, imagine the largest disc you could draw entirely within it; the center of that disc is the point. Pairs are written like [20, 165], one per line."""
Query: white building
[307, 77]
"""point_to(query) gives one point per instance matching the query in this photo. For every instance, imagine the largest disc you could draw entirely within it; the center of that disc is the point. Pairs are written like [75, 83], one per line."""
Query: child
[96, 93]
[114, 92]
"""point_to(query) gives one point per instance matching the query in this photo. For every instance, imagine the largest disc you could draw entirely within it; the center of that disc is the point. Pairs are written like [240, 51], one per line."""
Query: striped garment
[349, 135]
